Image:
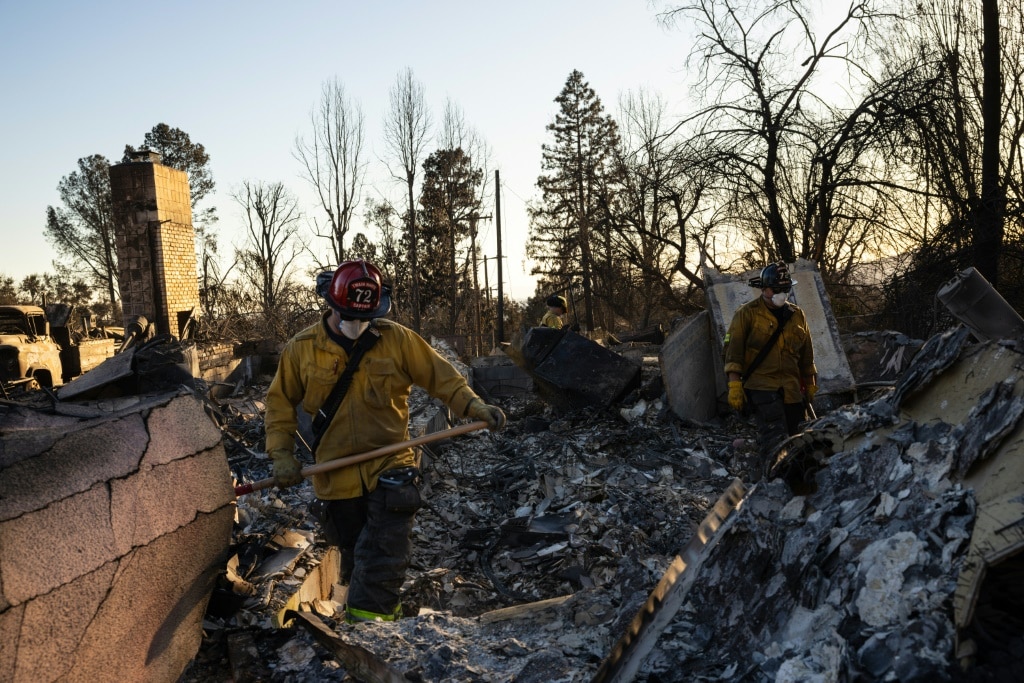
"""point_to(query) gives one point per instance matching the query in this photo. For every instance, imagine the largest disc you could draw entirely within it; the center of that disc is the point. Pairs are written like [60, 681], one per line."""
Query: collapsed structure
[884, 545]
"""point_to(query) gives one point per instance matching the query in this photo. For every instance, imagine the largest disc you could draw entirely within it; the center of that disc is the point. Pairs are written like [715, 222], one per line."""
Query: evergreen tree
[83, 229]
[8, 292]
[178, 151]
[449, 201]
[578, 176]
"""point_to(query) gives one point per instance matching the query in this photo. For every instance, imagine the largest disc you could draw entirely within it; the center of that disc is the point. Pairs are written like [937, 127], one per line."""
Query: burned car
[28, 354]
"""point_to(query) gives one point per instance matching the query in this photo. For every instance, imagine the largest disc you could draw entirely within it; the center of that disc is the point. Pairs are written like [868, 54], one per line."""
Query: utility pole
[453, 282]
[497, 221]
[477, 327]
[487, 286]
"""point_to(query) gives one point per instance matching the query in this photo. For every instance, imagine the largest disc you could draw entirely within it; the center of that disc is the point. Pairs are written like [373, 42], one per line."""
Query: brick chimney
[155, 242]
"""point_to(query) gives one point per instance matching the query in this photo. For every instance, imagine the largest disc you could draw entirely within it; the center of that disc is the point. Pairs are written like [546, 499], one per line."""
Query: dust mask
[779, 299]
[353, 328]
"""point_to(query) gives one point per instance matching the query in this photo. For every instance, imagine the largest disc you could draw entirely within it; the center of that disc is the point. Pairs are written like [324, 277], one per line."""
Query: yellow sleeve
[430, 370]
[736, 342]
[286, 391]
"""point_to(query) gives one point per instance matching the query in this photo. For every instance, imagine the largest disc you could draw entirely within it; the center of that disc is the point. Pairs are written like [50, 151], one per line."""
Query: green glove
[736, 396]
[811, 390]
[287, 471]
[492, 415]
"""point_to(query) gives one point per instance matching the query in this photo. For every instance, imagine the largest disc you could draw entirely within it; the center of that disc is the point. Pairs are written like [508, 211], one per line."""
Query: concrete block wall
[111, 534]
[155, 243]
[92, 352]
[499, 377]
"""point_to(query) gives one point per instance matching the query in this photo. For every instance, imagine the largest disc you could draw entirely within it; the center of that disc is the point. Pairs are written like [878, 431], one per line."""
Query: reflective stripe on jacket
[375, 410]
[790, 359]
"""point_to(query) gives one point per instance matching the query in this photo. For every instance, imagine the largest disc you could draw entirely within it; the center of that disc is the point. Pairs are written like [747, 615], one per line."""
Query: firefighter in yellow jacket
[554, 317]
[370, 505]
[778, 389]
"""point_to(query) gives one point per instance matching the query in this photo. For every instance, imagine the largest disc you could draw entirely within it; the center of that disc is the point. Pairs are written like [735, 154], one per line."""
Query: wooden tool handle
[329, 465]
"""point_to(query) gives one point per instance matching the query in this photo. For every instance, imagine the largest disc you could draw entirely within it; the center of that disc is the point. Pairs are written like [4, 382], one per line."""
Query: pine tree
[577, 179]
[449, 200]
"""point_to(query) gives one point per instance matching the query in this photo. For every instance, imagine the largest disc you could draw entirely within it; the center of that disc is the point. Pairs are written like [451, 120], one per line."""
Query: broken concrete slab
[975, 302]
[689, 370]
[573, 371]
[109, 542]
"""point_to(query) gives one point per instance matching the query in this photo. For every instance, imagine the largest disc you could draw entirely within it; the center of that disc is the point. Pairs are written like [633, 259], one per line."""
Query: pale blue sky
[80, 78]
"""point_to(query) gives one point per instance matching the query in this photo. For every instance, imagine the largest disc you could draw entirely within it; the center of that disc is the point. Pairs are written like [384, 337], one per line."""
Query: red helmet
[358, 291]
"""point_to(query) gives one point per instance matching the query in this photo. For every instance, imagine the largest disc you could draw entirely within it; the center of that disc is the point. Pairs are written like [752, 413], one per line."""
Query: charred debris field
[879, 546]
[581, 512]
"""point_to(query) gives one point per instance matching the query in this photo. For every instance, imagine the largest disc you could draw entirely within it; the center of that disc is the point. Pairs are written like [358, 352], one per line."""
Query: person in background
[555, 315]
[785, 379]
[368, 507]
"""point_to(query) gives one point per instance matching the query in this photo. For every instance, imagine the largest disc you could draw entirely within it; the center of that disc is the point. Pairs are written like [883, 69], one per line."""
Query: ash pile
[883, 545]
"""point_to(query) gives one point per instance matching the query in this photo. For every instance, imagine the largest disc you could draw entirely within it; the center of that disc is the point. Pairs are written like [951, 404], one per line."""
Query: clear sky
[81, 78]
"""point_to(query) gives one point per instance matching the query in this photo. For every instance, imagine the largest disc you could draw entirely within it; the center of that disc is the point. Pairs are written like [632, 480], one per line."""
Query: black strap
[326, 413]
[768, 346]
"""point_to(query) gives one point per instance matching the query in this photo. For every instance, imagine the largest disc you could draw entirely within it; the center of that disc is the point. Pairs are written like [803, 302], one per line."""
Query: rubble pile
[857, 577]
[538, 545]
[854, 577]
[856, 558]
[582, 509]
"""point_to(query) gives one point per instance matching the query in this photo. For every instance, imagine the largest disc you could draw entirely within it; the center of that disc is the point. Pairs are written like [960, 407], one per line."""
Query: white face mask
[779, 299]
[353, 328]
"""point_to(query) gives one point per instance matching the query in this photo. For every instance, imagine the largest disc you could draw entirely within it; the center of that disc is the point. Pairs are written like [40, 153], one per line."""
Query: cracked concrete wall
[111, 533]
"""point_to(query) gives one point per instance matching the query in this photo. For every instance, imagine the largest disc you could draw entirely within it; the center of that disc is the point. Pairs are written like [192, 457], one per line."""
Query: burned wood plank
[628, 654]
[519, 611]
[360, 662]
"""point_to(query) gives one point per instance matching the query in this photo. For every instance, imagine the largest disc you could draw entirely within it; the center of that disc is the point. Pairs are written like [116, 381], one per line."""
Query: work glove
[811, 390]
[736, 396]
[492, 415]
[287, 471]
